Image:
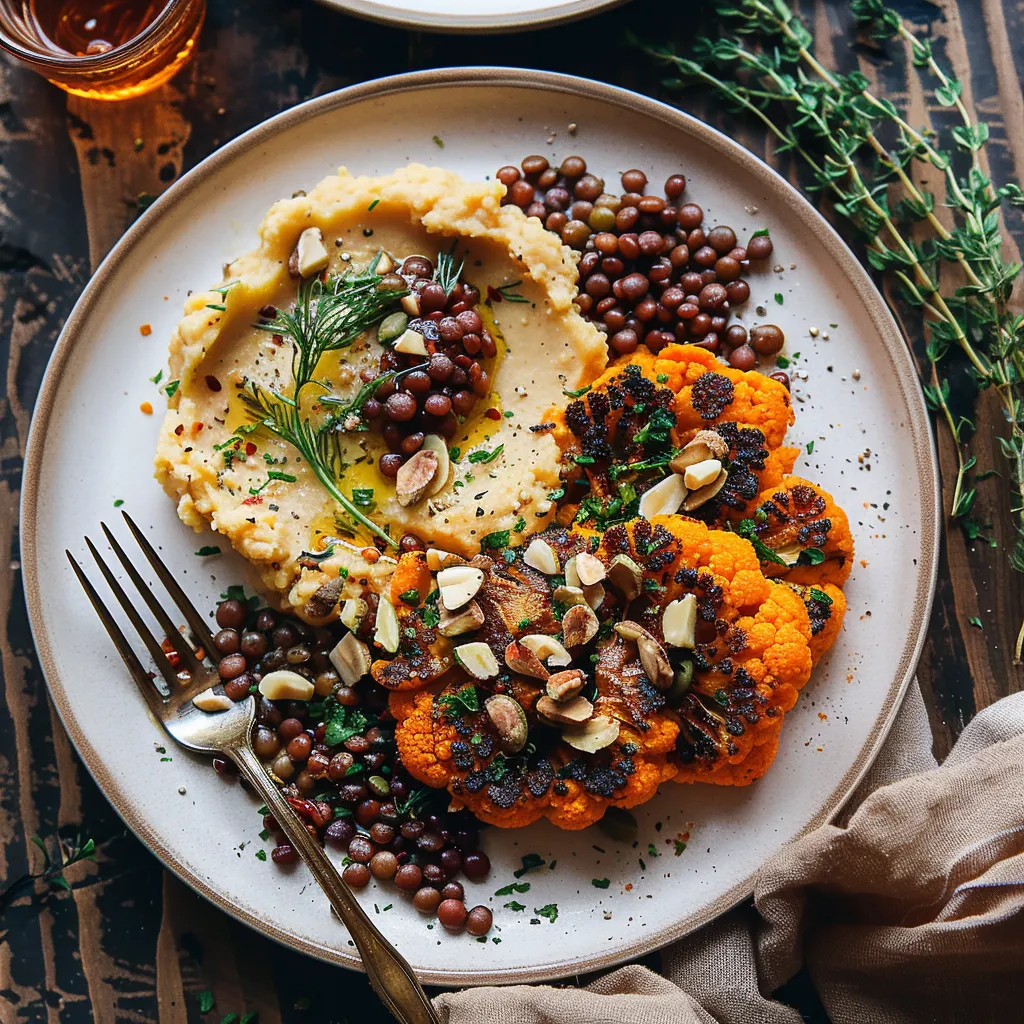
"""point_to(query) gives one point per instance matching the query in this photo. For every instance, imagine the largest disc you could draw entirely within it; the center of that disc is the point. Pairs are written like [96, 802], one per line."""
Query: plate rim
[904, 375]
[490, 24]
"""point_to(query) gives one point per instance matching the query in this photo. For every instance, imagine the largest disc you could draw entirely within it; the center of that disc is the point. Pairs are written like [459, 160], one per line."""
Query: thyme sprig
[862, 153]
[281, 415]
[52, 873]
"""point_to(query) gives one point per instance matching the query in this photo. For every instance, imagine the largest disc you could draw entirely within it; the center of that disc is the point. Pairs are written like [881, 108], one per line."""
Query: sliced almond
[415, 477]
[411, 343]
[579, 625]
[655, 662]
[465, 620]
[438, 559]
[590, 569]
[509, 720]
[572, 577]
[563, 686]
[385, 264]
[572, 712]
[705, 444]
[664, 498]
[679, 622]
[594, 595]
[284, 684]
[210, 700]
[351, 658]
[695, 499]
[592, 736]
[312, 255]
[547, 648]
[386, 632]
[411, 304]
[459, 584]
[477, 659]
[433, 443]
[353, 611]
[630, 630]
[522, 660]
[569, 595]
[626, 576]
[541, 556]
[702, 474]
[324, 598]
[790, 553]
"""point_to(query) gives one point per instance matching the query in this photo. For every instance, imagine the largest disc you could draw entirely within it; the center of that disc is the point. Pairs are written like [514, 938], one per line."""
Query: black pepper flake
[538, 428]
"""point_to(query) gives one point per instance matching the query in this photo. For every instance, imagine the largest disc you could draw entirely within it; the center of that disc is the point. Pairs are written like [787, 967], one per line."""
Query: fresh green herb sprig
[448, 272]
[52, 873]
[861, 152]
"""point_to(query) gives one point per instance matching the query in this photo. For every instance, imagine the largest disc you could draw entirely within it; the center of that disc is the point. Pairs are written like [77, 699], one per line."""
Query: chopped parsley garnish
[454, 453]
[680, 847]
[778, 298]
[410, 597]
[507, 890]
[170, 389]
[530, 862]
[430, 613]
[438, 141]
[520, 525]
[821, 597]
[363, 497]
[485, 456]
[272, 474]
[555, 495]
[811, 556]
[782, 362]
[975, 621]
[760, 233]
[515, 905]
[496, 540]
[342, 723]
[662, 378]
[577, 393]
[261, 854]
[461, 701]
[157, 378]
[205, 1000]
[208, 549]
[550, 911]
[118, 502]
[657, 430]
[523, 624]
[810, 447]
[369, 209]
[600, 883]
[748, 530]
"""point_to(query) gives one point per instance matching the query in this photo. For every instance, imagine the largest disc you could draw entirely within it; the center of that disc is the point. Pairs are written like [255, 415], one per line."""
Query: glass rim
[96, 62]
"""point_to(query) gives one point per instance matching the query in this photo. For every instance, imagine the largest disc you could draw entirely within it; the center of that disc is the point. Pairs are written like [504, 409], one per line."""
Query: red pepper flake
[277, 339]
[147, 408]
[196, 427]
[256, 499]
[250, 448]
[493, 414]
[212, 383]
[494, 295]
[179, 429]
[145, 330]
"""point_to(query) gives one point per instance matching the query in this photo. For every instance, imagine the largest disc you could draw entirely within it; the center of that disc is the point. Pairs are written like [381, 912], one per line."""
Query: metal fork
[230, 733]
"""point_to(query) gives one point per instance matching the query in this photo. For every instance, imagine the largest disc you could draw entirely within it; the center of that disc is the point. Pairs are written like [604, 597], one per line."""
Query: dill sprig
[861, 151]
[320, 447]
[331, 315]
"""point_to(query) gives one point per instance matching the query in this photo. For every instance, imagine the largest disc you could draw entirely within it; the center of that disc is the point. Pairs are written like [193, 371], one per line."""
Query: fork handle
[389, 972]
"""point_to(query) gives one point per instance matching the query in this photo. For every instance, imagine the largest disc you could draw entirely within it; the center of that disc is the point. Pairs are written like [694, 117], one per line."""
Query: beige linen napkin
[910, 908]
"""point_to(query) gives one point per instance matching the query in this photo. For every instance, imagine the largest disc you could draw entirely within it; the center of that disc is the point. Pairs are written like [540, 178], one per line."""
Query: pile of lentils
[650, 271]
[355, 796]
[436, 395]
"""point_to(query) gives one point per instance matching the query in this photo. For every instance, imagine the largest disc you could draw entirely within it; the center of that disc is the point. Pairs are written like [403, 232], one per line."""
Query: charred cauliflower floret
[826, 608]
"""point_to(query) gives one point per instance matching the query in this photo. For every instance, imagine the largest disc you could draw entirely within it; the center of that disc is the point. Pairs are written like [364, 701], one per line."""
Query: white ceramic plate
[91, 446]
[472, 15]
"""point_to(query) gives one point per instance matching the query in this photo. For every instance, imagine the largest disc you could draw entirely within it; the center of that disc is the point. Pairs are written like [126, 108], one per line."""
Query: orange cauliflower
[826, 608]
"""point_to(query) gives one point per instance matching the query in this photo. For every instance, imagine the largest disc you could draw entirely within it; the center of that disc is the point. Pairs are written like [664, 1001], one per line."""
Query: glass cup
[141, 63]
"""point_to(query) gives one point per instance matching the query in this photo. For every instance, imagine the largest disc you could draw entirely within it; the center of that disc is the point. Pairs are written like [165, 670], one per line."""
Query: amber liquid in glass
[87, 27]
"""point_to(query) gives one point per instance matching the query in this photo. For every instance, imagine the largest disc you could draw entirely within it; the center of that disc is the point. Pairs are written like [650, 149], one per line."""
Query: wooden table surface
[132, 943]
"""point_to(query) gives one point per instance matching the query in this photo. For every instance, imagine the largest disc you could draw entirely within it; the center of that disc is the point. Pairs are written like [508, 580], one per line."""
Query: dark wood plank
[133, 943]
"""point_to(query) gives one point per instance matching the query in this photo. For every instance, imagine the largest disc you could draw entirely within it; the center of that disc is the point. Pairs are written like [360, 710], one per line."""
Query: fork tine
[195, 621]
[134, 666]
[180, 644]
[152, 644]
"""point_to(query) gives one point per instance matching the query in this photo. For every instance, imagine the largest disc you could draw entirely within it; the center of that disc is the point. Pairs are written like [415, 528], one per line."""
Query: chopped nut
[284, 684]
[655, 662]
[705, 444]
[459, 584]
[697, 498]
[509, 719]
[210, 700]
[351, 658]
[679, 622]
[572, 712]
[566, 685]
[572, 577]
[664, 498]
[579, 625]
[626, 576]
[411, 304]
[541, 556]
[465, 620]
[701, 474]
[433, 443]
[568, 595]
[590, 569]
[385, 264]
[594, 595]
[311, 256]
[477, 659]
[411, 343]
[386, 633]
[547, 648]
[324, 598]
[522, 660]
[438, 559]
[353, 611]
[630, 630]
[415, 477]
[600, 732]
